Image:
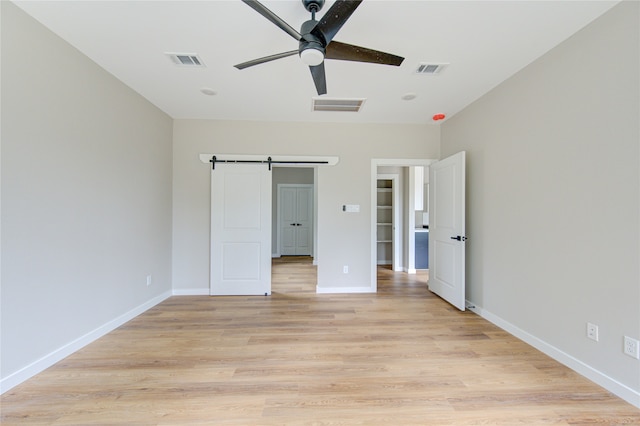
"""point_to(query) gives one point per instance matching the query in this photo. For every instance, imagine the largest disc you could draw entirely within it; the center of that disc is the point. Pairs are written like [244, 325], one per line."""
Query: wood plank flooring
[399, 357]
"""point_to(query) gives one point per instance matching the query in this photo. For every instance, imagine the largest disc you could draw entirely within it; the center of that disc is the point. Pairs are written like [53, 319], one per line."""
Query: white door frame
[375, 163]
[313, 209]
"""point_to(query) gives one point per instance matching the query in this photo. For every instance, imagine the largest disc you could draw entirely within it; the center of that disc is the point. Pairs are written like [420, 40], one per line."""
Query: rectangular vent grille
[337, 105]
[186, 59]
[430, 69]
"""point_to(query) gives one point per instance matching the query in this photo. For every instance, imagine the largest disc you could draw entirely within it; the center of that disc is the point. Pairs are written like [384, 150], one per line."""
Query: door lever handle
[459, 238]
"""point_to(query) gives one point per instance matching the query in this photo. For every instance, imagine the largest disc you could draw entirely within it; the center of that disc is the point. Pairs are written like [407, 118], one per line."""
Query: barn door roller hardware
[268, 161]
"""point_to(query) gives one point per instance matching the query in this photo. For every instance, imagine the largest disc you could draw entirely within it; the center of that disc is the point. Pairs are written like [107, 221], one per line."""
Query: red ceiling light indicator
[438, 117]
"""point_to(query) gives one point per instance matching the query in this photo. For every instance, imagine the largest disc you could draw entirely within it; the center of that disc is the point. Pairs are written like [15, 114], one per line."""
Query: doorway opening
[388, 220]
[294, 228]
[407, 210]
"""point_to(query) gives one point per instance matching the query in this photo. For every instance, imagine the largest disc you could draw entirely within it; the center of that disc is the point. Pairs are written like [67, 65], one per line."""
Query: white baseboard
[274, 255]
[619, 389]
[59, 354]
[191, 292]
[362, 289]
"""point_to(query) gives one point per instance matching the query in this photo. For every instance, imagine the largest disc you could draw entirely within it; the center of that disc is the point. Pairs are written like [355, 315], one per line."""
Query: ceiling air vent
[339, 105]
[430, 69]
[186, 59]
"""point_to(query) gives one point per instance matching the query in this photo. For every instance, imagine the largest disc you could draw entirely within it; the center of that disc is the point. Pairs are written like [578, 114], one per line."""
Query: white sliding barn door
[447, 229]
[240, 230]
[296, 219]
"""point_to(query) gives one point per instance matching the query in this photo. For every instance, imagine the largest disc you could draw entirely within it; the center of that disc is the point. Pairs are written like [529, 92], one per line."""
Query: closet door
[296, 219]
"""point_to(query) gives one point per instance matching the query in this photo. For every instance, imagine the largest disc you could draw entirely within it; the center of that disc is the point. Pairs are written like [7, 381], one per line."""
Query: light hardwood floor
[399, 357]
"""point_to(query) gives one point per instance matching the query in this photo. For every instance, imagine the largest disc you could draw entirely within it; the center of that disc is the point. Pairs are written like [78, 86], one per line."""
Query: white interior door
[447, 229]
[296, 219]
[240, 230]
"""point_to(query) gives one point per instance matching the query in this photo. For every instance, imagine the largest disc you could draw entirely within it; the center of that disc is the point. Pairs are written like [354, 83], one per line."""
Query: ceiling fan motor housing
[309, 40]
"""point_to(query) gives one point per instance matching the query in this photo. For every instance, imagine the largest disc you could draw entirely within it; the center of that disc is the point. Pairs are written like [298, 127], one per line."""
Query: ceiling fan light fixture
[312, 57]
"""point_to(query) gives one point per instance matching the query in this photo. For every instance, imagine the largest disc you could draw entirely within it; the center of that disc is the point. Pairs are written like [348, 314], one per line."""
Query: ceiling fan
[316, 40]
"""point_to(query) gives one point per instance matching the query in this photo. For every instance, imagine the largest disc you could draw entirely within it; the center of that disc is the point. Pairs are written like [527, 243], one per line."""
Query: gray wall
[343, 238]
[554, 194]
[86, 195]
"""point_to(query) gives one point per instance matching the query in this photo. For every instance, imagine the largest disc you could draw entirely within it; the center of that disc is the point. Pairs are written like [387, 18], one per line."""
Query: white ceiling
[485, 42]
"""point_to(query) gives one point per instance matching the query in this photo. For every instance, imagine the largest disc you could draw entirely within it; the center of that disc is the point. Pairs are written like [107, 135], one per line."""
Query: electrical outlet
[592, 331]
[148, 280]
[345, 269]
[632, 347]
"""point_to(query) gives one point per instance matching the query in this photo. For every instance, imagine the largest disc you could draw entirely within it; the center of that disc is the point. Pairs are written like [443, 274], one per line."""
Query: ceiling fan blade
[335, 18]
[350, 52]
[262, 10]
[317, 72]
[265, 59]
